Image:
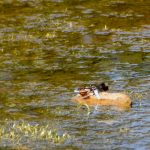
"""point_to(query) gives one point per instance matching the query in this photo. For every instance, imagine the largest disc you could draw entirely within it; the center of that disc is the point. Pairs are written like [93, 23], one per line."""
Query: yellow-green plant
[15, 132]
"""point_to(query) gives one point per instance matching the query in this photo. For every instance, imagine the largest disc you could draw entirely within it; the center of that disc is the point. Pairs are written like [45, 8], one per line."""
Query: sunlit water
[48, 48]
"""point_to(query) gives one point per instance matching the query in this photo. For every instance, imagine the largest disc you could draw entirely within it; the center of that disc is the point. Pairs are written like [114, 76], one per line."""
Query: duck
[100, 95]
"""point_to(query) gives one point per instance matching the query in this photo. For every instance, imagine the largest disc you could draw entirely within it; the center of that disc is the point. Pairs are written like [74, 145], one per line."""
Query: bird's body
[104, 98]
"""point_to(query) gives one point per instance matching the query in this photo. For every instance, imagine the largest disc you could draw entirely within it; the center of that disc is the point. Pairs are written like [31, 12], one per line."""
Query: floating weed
[51, 35]
[17, 132]
[86, 106]
[136, 95]
[124, 130]
[105, 27]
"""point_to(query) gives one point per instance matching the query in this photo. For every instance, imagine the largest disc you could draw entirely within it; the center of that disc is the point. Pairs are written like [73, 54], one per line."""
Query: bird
[100, 95]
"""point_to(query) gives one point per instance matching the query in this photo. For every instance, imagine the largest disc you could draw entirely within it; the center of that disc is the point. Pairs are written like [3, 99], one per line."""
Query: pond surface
[50, 47]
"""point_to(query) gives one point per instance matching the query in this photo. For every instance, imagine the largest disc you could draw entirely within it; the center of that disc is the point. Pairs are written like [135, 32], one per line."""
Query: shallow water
[48, 48]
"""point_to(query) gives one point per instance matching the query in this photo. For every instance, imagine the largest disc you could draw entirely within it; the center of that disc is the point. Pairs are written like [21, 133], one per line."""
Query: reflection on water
[48, 48]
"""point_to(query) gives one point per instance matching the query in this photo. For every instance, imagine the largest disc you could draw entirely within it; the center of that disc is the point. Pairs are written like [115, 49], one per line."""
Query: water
[49, 48]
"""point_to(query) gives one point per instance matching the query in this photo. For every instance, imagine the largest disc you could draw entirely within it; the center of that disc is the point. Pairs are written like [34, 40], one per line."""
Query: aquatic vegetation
[136, 95]
[18, 132]
[88, 108]
[124, 130]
